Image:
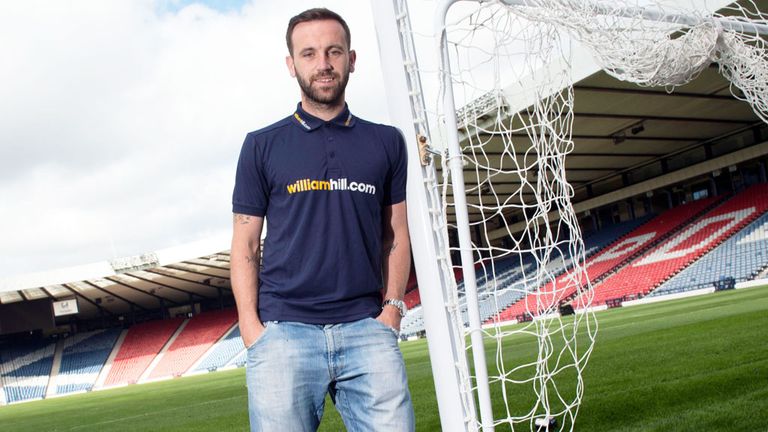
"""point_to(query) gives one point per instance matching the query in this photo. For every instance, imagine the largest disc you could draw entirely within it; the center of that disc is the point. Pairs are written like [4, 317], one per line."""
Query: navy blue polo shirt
[322, 187]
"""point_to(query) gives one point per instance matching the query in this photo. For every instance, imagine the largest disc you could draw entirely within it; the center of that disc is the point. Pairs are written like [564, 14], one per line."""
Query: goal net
[502, 121]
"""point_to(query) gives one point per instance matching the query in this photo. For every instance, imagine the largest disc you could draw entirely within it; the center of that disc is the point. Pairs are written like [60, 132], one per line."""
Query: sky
[121, 121]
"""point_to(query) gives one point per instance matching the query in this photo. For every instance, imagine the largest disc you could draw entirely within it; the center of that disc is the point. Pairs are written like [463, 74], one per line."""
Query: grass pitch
[685, 365]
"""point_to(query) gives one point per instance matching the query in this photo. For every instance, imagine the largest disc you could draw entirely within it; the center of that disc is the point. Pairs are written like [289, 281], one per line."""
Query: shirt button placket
[331, 151]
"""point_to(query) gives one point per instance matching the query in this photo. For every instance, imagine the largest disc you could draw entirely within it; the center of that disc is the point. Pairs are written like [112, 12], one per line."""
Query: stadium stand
[629, 239]
[223, 352]
[612, 256]
[607, 235]
[142, 343]
[240, 359]
[506, 288]
[82, 359]
[25, 370]
[741, 258]
[200, 333]
[667, 259]
[412, 298]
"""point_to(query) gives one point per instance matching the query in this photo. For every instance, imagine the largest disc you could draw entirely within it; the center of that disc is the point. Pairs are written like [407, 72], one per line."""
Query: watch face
[399, 304]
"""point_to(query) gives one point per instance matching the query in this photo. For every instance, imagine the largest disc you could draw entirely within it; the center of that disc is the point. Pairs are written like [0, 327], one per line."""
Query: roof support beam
[661, 118]
[154, 271]
[132, 304]
[176, 267]
[164, 285]
[634, 91]
[206, 264]
[117, 282]
[98, 306]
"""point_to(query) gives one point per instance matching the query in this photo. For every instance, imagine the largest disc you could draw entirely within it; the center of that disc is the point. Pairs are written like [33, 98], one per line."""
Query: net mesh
[511, 73]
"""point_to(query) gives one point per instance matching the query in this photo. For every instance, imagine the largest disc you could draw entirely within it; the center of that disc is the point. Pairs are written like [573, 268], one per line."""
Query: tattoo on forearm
[242, 219]
[391, 249]
[253, 260]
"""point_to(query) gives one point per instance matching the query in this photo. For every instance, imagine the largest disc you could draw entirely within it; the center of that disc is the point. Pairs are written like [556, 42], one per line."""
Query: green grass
[686, 365]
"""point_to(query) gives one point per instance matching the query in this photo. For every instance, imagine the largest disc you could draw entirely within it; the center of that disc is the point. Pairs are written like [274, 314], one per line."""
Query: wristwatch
[399, 304]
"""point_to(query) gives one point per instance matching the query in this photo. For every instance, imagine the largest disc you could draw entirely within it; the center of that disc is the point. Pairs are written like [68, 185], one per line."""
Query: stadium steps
[221, 353]
[110, 360]
[25, 370]
[741, 257]
[762, 274]
[543, 298]
[191, 342]
[651, 269]
[239, 359]
[51, 387]
[159, 357]
[141, 345]
[678, 227]
[84, 355]
[655, 242]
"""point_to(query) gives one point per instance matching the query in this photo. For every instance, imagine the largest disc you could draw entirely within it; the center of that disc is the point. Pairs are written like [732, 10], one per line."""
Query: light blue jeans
[292, 366]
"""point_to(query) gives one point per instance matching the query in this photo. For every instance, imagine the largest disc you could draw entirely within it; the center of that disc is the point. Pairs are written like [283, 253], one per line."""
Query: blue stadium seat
[25, 370]
[224, 351]
[740, 257]
[82, 359]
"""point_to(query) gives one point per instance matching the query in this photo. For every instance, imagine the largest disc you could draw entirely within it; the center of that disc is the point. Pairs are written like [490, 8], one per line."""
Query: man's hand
[390, 316]
[251, 332]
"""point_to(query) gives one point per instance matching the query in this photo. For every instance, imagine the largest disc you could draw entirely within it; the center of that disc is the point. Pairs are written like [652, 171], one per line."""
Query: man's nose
[324, 63]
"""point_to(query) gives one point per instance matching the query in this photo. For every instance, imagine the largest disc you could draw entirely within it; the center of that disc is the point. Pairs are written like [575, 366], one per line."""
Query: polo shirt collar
[308, 122]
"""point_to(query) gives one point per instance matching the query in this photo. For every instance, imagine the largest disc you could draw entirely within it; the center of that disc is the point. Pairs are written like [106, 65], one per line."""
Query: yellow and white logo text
[341, 184]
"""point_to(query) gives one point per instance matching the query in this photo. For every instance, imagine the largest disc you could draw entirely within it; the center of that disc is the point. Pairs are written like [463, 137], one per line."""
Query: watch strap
[399, 304]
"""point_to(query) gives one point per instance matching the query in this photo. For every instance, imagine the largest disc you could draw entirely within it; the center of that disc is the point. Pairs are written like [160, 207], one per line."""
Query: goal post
[429, 246]
[498, 188]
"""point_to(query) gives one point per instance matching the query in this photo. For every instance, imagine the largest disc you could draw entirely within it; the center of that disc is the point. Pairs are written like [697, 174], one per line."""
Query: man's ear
[291, 68]
[352, 59]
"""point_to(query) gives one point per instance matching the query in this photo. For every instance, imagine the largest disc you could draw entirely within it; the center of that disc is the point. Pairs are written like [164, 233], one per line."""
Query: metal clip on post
[425, 151]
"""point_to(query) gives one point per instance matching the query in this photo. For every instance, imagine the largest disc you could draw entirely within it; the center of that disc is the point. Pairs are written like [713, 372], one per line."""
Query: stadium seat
[664, 260]
[141, 345]
[605, 262]
[741, 257]
[223, 352]
[83, 357]
[200, 333]
[25, 370]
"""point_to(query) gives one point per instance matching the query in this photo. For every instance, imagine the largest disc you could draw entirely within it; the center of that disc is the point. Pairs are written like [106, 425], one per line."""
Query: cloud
[122, 120]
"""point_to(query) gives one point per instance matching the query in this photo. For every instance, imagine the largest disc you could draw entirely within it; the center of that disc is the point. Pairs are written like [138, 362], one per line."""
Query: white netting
[510, 66]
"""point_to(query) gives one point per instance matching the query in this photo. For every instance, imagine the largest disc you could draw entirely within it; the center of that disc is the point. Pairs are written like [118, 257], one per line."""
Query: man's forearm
[244, 274]
[396, 251]
[397, 266]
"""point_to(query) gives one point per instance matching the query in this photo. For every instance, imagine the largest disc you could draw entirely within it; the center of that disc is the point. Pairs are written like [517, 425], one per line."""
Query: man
[323, 313]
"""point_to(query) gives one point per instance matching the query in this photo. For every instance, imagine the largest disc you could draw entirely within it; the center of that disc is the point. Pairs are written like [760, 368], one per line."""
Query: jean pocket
[379, 323]
[253, 344]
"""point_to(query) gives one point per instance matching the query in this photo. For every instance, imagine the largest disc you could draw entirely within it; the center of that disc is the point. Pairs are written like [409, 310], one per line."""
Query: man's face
[321, 61]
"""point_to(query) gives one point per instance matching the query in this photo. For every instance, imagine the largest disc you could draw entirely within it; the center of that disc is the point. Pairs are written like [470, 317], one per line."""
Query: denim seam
[346, 414]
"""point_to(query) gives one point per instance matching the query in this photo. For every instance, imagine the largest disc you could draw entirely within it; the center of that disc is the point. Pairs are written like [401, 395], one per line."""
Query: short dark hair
[315, 14]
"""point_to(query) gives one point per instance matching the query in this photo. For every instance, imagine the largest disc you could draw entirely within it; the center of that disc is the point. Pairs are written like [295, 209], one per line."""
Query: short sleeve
[398, 175]
[251, 194]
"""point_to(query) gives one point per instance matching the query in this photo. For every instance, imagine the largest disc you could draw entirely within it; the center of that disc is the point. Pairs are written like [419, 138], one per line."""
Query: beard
[324, 97]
